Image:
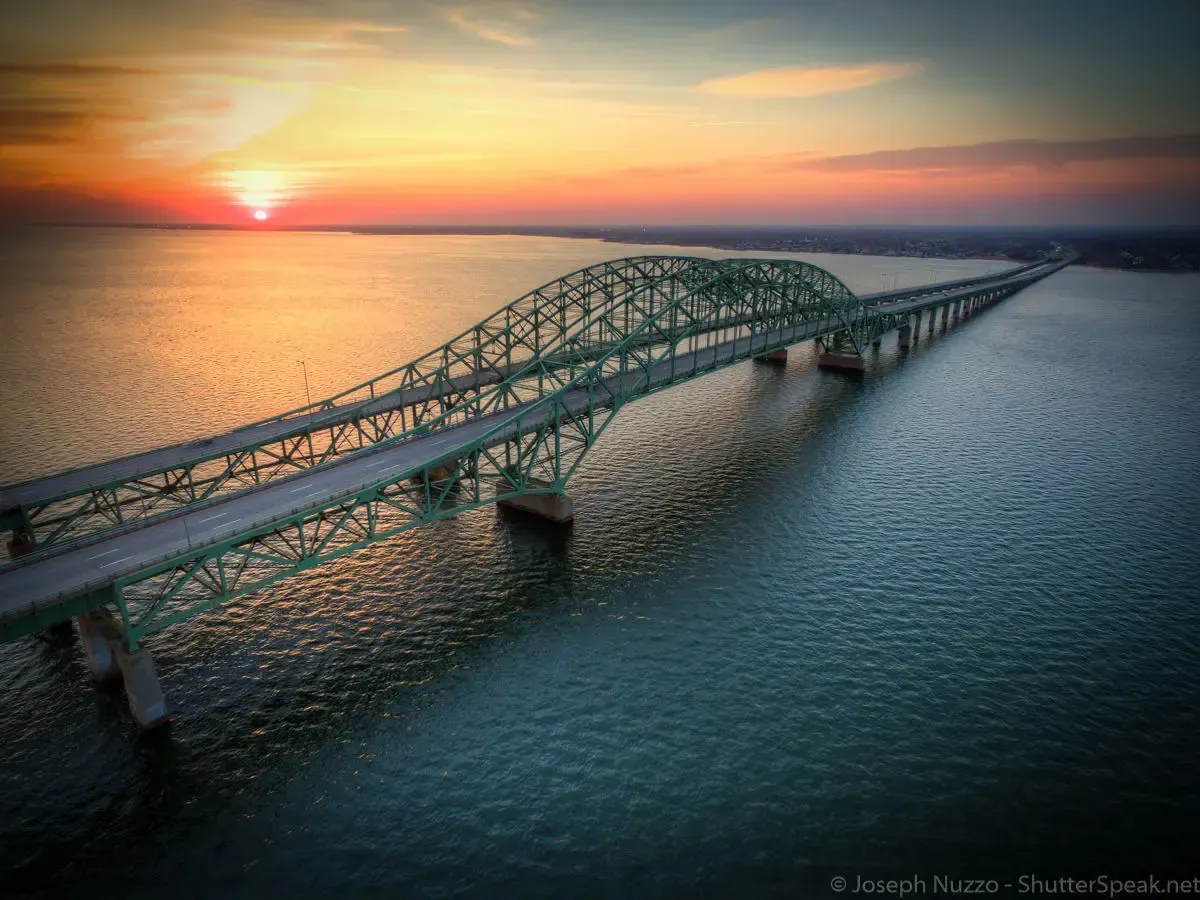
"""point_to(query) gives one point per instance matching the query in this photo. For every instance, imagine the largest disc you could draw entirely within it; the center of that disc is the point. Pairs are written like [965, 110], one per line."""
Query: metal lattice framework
[508, 408]
[376, 410]
[545, 419]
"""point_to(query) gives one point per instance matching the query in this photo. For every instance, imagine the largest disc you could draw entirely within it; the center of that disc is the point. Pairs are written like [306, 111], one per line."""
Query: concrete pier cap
[553, 506]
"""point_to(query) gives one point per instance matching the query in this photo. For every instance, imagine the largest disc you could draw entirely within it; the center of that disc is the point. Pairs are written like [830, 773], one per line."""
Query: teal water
[941, 618]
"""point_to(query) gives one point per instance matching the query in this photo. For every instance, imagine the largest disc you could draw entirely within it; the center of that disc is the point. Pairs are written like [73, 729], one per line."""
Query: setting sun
[261, 215]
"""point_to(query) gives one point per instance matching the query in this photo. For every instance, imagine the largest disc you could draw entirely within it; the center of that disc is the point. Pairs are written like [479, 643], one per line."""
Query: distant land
[1145, 249]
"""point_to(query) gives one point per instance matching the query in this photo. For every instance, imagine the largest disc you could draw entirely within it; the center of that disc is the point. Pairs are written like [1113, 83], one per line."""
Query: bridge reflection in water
[504, 412]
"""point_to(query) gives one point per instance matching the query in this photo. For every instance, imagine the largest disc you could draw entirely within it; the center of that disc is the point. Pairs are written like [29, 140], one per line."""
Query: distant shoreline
[1159, 250]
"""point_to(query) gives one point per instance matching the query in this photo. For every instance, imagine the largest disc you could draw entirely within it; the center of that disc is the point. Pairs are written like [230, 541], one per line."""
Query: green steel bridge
[504, 412]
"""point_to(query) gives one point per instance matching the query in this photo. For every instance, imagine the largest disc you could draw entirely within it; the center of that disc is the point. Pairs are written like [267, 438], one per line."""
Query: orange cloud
[1008, 154]
[802, 81]
[485, 24]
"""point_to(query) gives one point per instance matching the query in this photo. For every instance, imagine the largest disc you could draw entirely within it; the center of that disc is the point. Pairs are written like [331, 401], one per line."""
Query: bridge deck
[171, 456]
[71, 481]
[86, 568]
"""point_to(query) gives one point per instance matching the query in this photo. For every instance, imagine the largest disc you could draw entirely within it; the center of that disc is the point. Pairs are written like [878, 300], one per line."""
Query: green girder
[562, 401]
[347, 422]
[572, 358]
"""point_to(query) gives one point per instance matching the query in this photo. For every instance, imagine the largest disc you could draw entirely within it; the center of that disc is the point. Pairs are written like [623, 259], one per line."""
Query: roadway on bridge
[174, 456]
[71, 572]
[74, 571]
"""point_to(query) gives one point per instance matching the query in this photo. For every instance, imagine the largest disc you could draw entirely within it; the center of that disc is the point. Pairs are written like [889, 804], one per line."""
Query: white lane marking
[105, 553]
[314, 493]
[217, 516]
[297, 489]
[115, 562]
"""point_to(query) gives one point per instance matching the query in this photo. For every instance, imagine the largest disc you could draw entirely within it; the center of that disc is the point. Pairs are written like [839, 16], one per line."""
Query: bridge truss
[515, 403]
[547, 415]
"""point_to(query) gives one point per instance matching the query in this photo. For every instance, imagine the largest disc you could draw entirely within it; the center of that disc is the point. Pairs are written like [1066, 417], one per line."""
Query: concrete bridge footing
[555, 507]
[102, 640]
[109, 657]
[905, 336]
[775, 356]
[20, 543]
[841, 362]
[146, 700]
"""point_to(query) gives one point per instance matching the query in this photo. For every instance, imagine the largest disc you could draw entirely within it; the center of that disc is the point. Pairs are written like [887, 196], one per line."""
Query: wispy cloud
[1007, 154]
[34, 126]
[503, 24]
[804, 81]
[69, 68]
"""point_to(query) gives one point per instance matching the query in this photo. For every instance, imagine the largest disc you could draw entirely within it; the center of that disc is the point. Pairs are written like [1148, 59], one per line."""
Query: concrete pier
[21, 543]
[102, 640]
[775, 356]
[945, 317]
[555, 507]
[146, 700]
[917, 327]
[839, 361]
[905, 332]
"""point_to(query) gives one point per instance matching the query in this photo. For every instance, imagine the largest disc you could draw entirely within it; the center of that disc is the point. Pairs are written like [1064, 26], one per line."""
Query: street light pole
[307, 395]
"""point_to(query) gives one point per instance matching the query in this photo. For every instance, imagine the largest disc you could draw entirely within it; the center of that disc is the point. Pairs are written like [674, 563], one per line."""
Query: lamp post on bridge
[307, 395]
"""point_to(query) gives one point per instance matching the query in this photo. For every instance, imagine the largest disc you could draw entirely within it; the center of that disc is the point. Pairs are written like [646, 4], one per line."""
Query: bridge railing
[519, 345]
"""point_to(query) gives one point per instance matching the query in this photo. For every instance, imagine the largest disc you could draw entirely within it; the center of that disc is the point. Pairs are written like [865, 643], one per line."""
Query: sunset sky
[300, 112]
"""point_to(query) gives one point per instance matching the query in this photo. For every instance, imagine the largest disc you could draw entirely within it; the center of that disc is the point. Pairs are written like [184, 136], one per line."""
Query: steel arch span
[76, 504]
[525, 435]
[505, 410]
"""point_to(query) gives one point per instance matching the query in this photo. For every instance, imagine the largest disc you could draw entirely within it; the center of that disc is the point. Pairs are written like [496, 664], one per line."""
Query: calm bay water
[944, 617]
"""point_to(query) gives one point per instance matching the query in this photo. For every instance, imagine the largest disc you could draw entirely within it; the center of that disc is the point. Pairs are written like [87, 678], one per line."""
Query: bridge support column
[21, 543]
[773, 357]
[841, 361]
[146, 700]
[905, 336]
[102, 642]
[932, 320]
[945, 317]
[916, 332]
[555, 507]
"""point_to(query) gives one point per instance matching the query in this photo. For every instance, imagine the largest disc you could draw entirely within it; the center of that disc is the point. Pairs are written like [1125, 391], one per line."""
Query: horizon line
[219, 226]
